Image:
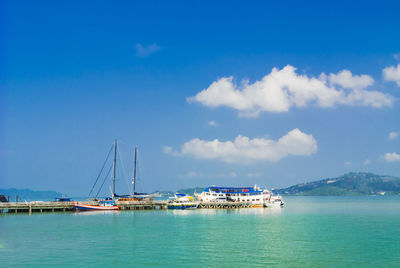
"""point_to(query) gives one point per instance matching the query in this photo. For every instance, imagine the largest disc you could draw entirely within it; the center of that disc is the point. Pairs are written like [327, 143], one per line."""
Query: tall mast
[134, 173]
[115, 166]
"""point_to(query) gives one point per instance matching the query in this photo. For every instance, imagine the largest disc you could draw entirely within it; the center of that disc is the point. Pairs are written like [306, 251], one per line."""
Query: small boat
[182, 201]
[275, 201]
[63, 199]
[100, 205]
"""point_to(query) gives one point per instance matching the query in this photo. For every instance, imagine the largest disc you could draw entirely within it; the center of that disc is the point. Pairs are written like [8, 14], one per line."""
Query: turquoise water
[308, 232]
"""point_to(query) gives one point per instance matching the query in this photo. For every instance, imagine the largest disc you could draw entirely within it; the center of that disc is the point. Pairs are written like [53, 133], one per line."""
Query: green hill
[349, 184]
[29, 195]
[188, 191]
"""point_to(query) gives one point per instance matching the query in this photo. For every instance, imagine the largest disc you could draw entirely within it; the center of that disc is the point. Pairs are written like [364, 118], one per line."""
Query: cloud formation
[254, 175]
[392, 73]
[212, 123]
[245, 150]
[392, 157]
[282, 89]
[145, 51]
[393, 135]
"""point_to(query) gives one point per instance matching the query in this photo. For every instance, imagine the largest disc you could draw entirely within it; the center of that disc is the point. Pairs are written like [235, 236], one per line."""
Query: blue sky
[75, 76]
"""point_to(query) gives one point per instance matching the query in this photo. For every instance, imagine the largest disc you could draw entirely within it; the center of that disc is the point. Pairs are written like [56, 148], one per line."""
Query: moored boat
[99, 205]
[116, 200]
[256, 196]
[275, 201]
[182, 201]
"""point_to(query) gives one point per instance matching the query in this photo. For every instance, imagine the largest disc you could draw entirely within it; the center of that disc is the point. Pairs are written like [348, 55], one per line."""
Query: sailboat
[135, 196]
[110, 203]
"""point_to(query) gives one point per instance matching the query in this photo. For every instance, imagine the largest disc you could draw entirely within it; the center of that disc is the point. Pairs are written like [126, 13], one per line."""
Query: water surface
[308, 232]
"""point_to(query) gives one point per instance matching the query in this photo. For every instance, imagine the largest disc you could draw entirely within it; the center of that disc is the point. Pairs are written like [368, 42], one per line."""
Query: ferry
[101, 205]
[256, 196]
[182, 201]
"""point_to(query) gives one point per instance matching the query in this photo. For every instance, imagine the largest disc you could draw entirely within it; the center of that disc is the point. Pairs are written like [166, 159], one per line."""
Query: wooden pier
[142, 205]
[41, 207]
[30, 207]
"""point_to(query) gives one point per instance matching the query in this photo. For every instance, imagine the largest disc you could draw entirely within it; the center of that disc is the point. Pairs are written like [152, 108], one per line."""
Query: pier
[226, 205]
[42, 207]
[30, 207]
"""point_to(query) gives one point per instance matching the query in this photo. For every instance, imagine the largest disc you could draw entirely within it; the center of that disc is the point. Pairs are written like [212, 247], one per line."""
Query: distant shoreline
[350, 184]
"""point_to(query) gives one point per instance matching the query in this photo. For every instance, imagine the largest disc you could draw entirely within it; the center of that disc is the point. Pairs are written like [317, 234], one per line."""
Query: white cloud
[191, 174]
[169, 150]
[282, 89]
[232, 174]
[212, 123]
[253, 175]
[367, 162]
[347, 80]
[246, 150]
[393, 135]
[392, 157]
[145, 51]
[347, 163]
[396, 56]
[392, 73]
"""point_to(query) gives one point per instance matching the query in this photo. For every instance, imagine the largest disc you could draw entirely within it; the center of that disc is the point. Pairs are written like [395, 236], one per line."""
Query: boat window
[214, 194]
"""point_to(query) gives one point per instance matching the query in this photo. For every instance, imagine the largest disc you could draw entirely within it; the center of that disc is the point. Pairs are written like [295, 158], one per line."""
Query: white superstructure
[256, 196]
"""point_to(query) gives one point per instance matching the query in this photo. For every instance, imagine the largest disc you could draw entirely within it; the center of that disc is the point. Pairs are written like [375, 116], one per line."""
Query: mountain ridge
[353, 183]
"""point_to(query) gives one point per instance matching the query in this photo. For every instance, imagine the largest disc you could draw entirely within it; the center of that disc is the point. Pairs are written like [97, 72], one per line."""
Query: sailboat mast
[134, 173]
[115, 166]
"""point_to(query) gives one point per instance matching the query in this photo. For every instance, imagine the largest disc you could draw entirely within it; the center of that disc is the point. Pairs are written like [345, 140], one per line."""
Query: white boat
[256, 196]
[275, 201]
[100, 205]
[182, 201]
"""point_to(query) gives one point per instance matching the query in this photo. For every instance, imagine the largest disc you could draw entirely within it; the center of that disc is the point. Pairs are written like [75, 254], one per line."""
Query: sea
[307, 232]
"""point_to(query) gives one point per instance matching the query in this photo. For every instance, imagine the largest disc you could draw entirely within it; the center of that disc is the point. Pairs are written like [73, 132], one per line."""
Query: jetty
[35, 206]
[54, 206]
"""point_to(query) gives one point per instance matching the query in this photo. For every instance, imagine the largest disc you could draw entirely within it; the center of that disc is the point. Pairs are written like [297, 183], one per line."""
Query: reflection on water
[240, 211]
[98, 212]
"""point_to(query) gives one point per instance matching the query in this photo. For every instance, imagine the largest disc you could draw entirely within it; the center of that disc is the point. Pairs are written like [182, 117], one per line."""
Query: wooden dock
[41, 207]
[142, 205]
[30, 207]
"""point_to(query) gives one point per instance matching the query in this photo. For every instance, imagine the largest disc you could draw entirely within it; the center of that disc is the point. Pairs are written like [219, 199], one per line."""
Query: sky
[231, 93]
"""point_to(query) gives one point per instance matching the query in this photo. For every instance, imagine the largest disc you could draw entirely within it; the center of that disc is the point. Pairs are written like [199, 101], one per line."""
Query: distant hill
[189, 191]
[349, 184]
[29, 195]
